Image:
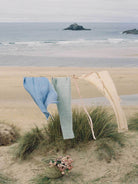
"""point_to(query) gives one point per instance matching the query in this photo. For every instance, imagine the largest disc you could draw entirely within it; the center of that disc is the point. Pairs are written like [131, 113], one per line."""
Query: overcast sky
[69, 10]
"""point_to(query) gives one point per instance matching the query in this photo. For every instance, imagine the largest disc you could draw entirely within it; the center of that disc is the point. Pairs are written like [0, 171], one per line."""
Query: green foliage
[5, 180]
[50, 137]
[29, 142]
[53, 130]
[106, 133]
[133, 123]
[81, 127]
[104, 125]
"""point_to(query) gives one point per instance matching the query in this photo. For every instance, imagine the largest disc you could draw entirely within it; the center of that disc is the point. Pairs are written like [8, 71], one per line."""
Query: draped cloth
[105, 85]
[41, 91]
[62, 86]
[85, 110]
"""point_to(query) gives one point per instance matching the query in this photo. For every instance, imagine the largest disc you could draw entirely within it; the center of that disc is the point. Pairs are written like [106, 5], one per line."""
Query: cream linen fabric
[104, 83]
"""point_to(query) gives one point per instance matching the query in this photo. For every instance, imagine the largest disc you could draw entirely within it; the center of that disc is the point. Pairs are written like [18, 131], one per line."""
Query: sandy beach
[65, 39]
[18, 108]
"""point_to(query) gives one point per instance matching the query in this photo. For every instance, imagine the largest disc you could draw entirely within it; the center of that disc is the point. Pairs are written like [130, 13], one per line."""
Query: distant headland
[76, 27]
[132, 31]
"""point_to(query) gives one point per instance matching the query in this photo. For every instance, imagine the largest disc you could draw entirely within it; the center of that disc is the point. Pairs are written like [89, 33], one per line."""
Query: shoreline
[45, 61]
[125, 100]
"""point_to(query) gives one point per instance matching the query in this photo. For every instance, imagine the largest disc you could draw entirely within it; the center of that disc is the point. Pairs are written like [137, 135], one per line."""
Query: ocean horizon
[48, 44]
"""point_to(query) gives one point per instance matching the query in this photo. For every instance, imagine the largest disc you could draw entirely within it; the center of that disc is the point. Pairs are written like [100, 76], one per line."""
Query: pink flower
[64, 164]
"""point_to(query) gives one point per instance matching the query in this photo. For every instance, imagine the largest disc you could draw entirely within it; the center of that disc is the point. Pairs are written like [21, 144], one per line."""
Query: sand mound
[7, 134]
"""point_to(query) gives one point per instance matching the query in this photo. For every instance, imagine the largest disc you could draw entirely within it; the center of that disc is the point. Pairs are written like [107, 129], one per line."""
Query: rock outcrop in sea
[132, 31]
[76, 27]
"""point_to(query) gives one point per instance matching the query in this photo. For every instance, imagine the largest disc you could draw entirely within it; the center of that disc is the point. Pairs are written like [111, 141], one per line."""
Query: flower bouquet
[59, 167]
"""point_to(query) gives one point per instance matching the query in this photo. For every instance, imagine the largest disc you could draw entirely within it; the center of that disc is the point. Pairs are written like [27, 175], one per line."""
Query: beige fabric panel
[104, 83]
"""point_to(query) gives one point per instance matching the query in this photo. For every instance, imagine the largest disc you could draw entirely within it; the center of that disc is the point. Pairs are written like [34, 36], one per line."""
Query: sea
[48, 44]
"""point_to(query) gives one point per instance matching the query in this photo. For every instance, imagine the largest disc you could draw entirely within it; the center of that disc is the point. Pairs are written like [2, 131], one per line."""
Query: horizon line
[66, 22]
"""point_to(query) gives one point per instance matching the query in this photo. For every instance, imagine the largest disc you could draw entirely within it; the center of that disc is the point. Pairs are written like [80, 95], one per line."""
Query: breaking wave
[84, 42]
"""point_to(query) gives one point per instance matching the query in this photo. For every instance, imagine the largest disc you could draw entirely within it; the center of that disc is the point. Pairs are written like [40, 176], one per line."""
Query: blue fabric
[62, 86]
[41, 91]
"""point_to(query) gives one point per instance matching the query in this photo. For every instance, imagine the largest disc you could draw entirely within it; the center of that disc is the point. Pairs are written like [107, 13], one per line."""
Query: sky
[68, 10]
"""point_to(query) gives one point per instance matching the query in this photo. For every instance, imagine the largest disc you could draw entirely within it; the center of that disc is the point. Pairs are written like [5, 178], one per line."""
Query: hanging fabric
[41, 91]
[104, 83]
[62, 86]
[89, 117]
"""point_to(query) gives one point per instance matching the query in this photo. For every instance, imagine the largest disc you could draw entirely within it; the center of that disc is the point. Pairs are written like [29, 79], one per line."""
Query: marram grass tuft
[29, 142]
[133, 123]
[50, 137]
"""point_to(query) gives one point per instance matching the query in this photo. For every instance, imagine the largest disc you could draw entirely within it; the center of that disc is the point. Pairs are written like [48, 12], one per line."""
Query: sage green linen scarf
[62, 86]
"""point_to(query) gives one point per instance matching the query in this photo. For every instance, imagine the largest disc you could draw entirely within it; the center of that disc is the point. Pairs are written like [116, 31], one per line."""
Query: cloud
[69, 10]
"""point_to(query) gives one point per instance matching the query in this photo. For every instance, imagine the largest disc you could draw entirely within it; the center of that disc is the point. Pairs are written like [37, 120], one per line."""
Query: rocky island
[132, 31]
[76, 27]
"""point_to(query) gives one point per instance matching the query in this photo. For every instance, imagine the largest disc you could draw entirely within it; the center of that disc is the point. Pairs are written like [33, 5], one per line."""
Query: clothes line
[59, 92]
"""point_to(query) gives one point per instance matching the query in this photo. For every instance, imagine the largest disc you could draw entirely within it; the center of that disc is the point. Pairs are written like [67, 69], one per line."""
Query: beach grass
[5, 179]
[29, 142]
[50, 137]
[133, 123]
[103, 124]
